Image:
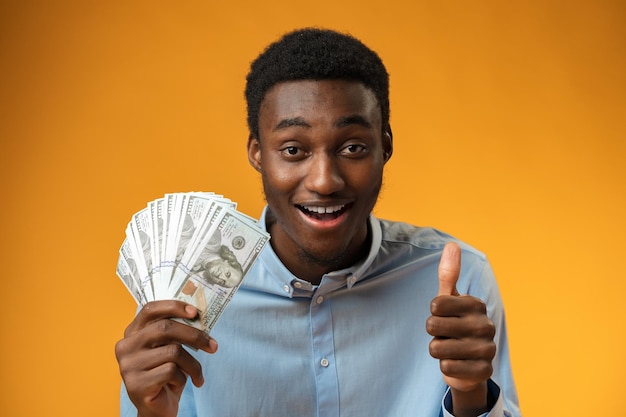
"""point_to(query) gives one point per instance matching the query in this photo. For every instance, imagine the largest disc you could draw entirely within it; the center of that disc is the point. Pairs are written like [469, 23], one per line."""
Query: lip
[312, 214]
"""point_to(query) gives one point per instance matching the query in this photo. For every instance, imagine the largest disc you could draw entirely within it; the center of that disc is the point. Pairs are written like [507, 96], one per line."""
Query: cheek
[280, 178]
[365, 176]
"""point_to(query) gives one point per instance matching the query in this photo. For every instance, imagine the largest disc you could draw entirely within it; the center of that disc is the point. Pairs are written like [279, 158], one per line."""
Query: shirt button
[286, 288]
[324, 362]
[319, 300]
[297, 284]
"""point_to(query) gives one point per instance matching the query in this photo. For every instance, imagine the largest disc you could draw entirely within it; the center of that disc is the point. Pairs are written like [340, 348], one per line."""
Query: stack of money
[195, 247]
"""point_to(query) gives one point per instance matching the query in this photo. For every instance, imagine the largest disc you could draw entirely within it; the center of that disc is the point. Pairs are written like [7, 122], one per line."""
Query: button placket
[323, 354]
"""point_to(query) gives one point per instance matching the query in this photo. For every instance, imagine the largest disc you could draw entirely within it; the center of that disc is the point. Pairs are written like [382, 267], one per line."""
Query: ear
[387, 144]
[254, 153]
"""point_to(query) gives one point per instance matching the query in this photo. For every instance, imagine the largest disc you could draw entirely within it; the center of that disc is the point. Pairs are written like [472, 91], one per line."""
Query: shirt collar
[281, 281]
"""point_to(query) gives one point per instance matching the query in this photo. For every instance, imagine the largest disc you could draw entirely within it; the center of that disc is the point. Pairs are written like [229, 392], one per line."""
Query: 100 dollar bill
[211, 272]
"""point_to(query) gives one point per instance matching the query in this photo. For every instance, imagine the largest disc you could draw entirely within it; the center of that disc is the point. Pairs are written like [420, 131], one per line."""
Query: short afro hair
[315, 54]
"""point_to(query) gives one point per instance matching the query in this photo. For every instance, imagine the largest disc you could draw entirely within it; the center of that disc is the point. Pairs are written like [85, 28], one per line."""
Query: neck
[306, 265]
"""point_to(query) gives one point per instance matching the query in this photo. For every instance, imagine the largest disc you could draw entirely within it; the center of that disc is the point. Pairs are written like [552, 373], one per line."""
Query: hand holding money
[183, 258]
[153, 363]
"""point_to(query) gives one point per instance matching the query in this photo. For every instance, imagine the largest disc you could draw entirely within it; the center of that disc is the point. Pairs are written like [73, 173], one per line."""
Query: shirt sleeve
[493, 391]
[127, 409]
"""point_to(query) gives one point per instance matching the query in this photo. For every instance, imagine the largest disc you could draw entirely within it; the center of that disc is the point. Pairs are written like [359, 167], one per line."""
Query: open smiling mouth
[324, 213]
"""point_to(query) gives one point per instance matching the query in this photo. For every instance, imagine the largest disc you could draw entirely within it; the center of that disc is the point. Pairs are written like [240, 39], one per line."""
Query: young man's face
[321, 154]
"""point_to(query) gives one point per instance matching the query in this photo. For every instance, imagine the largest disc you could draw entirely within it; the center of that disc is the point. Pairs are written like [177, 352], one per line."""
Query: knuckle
[126, 369]
[128, 330]
[441, 304]
[485, 369]
[173, 352]
[169, 369]
[484, 328]
[163, 326]
[434, 306]
[488, 330]
[125, 372]
[433, 326]
[120, 349]
[434, 348]
[148, 307]
[446, 366]
[132, 327]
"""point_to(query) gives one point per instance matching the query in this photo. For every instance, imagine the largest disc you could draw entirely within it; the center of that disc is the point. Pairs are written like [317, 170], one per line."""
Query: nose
[324, 175]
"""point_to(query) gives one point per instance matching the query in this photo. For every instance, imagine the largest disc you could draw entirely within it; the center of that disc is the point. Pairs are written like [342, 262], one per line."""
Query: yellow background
[509, 133]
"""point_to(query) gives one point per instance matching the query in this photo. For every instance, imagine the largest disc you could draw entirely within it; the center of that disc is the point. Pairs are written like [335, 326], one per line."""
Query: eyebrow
[341, 122]
[354, 119]
[296, 121]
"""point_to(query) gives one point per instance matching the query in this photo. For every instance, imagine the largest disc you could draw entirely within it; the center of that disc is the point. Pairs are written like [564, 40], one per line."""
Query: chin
[327, 258]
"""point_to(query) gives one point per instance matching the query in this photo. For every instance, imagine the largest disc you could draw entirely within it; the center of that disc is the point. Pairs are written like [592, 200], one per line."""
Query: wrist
[471, 403]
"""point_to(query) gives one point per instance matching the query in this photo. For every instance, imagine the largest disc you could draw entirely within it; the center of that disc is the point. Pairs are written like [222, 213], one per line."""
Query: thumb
[449, 269]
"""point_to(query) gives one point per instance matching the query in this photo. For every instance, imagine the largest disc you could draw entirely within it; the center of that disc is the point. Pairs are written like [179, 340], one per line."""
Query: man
[335, 318]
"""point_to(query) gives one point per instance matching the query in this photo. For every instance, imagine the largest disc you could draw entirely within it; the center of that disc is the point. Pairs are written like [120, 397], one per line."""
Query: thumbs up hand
[462, 338]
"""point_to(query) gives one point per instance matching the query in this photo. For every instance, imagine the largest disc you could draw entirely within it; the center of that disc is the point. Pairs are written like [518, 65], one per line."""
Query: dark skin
[321, 146]
[153, 363]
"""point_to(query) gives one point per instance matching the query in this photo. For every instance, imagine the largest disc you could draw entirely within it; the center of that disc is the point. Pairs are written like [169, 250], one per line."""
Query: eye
[354, 150]
[292, 152]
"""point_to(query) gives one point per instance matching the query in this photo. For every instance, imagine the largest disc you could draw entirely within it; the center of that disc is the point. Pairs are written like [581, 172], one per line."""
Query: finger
[166, 331]
[458, 328]
[449, 269]
[161, 333]
[157, 310]
[172, 354]
[462, 349]
[457, 306]
[469, 371]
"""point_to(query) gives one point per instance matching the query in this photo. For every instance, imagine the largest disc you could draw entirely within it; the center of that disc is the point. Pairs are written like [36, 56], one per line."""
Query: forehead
[319, 99]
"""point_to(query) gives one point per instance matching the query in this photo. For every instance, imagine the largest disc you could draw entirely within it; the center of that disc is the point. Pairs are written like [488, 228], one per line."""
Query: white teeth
[323, 210]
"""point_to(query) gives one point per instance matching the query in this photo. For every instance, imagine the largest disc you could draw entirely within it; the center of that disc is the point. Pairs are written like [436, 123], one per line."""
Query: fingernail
[213, 345]
[191, 310]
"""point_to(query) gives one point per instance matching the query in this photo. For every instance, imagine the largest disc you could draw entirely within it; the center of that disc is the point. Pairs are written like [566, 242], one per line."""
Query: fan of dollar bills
[195, 247]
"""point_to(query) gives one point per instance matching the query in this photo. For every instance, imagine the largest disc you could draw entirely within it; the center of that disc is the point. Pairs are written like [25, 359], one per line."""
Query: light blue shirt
[354, 346]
